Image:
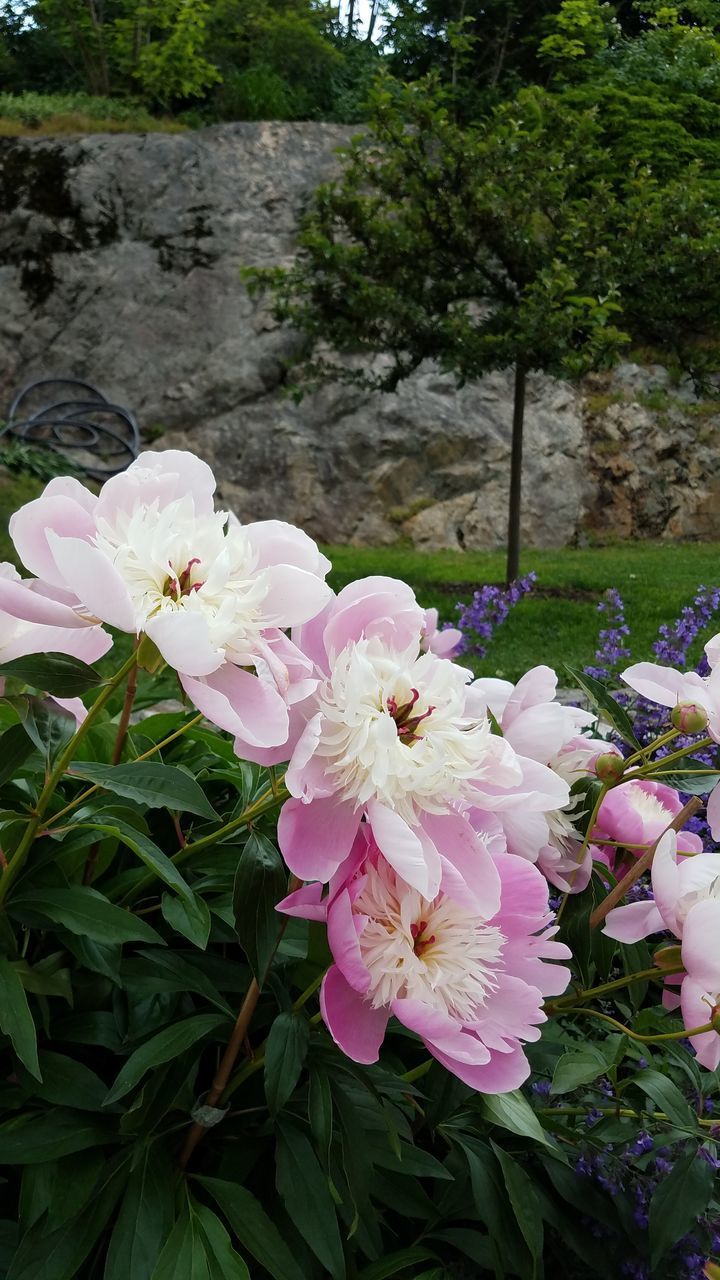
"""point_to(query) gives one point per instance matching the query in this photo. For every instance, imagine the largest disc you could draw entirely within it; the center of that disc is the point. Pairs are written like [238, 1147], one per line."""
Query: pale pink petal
[306, 902]
[712, 650]
[342, 931]
[664, 684]
[376, 606]
[700, 950]
[538, 732]
[666, 881]
[526, 831]
[315, 838]
[294, 596]
[354, 1025]
[83, 642]
[309, 638]
[75, 706]
[440, 1031]
[696, 1009]
[267, 756]
[633, 922]
[562, 869]
[183, 638]
[69, 487]
[403, 848]
[276, 542]
[31, 525]
[240, 703]
[94, 580]
[539, 685]
[713, 812]
[299, 780]
[22, 601]
[495, 694]
[462, 847]
[503, 1073]
[512, 1011]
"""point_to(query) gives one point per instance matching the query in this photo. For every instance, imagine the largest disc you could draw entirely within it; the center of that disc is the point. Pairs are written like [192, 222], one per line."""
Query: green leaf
[163, 1047]
[152, 972]
[254, 1229]
[189, 915]
[83, 910]
[285, 1053]
[574, 1069]
[394, 1263]
[678, 1200]
[60, 1254]
[36, 1139]
[16, 1020]
[694, 782]
[144, 1221]
[523, 1199]
[304, 1190]
[68, 1083]
[148, 853]
[260, 883]
[55, 673]
[156, 785]
[48, 726]
[667, 1097]
[513, 1112]
[225, 1263]
[15, 747]
[602, 700]
[320, 1112]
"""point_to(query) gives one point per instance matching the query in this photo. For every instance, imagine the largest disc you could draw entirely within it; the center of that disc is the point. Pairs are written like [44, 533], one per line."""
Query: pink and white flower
[634, 815]
[397, 736]
[32, 620]
[687, 904]
[445, 642]
[670, 688]
[151, 556]
[543, 730]
[467, 969]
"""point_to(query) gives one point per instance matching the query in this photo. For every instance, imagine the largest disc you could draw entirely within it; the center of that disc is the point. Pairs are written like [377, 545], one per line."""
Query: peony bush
[320, 957]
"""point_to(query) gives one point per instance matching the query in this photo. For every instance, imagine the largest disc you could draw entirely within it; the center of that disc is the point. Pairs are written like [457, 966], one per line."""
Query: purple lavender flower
[674, 642]
[611, 651]
[487, 610]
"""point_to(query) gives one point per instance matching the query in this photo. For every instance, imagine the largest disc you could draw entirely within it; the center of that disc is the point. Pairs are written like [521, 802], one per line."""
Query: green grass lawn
[654, 579]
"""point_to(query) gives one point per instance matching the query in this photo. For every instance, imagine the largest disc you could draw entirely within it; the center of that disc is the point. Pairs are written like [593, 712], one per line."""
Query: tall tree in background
[505, 244]
[478, 248]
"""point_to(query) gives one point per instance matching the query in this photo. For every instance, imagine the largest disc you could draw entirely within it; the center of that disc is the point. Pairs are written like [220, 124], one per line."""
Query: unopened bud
[609, 767]
[689, 717]
[669, 959]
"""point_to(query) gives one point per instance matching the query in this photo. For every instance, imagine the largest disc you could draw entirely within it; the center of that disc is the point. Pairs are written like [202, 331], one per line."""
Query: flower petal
[415, 860]
[93, 579]
[315, 838]
[240, 703]
[354, 1025]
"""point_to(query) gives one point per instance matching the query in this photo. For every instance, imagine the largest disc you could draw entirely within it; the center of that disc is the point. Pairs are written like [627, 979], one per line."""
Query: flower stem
[568, 1002]
[617, 1111]
[97, 786]
[644, 752]
[634, 1035]
[123, 723]
[675, 755]
[21, 853]
[617, 894]
[583, 847]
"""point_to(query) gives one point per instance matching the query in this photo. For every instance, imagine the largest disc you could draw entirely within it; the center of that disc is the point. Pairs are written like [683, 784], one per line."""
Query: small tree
[480, 248]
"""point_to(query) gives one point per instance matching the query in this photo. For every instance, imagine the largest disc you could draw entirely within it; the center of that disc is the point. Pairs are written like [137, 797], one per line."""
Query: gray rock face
[119, 262]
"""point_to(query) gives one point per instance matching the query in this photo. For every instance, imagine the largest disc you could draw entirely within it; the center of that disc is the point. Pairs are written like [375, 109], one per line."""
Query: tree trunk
[513, 539]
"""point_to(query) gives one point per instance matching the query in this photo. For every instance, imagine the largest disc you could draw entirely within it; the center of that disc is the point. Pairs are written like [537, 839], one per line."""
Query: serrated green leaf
[16, 1020]
[156, 785]
[285, 1053]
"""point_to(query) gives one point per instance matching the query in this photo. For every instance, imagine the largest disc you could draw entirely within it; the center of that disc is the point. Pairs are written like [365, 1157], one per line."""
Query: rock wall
[119, 262]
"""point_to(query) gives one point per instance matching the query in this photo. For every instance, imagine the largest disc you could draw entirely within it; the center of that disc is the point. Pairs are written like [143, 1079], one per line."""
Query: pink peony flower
[397, 736]
[687, 904]
[443, 643]
[151, 556]
[32, 620]
[670, 687]
[637, 813]
[545, 731]
[466, 970]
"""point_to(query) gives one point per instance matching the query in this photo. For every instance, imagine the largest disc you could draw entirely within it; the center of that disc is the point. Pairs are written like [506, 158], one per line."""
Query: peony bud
[688, 717]
[609, 767]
